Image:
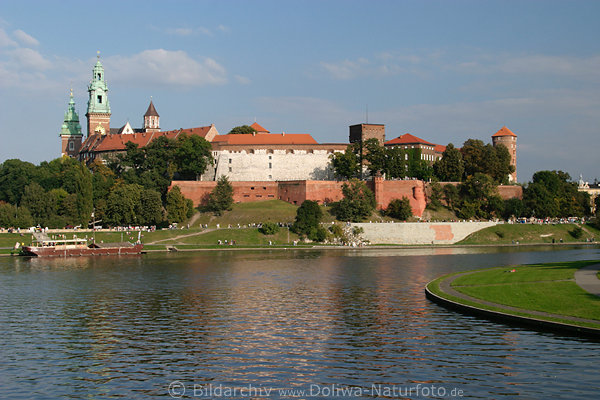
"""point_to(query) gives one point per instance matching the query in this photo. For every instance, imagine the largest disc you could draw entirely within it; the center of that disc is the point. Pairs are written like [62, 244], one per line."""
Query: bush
[576, 232]
[357, 204]
[269, 228]
[399, 209]
[308, 218]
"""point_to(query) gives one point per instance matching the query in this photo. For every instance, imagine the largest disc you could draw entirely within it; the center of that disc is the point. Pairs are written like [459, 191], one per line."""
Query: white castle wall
[420, 232]
[270, 165]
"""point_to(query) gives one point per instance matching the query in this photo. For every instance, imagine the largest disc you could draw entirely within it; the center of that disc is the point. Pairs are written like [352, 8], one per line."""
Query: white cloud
[5, 40]
[25, 38]
[30, 59]
[165, 67]
[347, 69]
[242, 79]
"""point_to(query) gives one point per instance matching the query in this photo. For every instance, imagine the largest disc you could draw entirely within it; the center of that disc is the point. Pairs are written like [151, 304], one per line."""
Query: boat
[44, 246]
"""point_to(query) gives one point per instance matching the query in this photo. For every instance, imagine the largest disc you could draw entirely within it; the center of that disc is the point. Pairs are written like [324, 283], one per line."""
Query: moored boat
[44, 246]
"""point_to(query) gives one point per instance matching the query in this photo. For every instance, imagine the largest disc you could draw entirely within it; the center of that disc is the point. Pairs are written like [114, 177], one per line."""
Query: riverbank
[543, 296]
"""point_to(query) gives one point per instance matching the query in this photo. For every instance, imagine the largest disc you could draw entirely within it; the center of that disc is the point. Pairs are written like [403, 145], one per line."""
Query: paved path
[183, 236]
[446, 287]
[587, 279]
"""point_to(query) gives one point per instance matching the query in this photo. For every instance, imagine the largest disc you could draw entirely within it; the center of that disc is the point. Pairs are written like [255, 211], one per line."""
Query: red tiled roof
[117, 142]
[273, 138]
[439, 148]
[504, 131]
[407, 138]
[258, 128]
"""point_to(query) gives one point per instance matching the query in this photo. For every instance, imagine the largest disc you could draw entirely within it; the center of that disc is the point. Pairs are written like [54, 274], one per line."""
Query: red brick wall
[242, 191]
[386, 191]
[295, 192]
[510, 191]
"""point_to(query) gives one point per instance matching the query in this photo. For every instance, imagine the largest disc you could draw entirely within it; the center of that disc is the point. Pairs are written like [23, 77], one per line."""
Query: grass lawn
[529, 233]
[542, 287]
[249, 213]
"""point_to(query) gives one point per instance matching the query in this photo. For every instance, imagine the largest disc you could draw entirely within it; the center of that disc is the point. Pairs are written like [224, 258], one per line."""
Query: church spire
[151, 119]
[70, 132]
[98, 111]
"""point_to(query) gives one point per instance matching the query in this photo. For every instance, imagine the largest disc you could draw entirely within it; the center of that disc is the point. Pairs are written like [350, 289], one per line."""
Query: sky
[444, 71]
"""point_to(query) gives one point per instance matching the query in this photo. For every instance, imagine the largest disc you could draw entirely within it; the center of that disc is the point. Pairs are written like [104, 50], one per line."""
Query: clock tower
[98, 111]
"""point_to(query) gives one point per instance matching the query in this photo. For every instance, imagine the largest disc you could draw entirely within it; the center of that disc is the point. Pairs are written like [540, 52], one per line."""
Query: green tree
[177, 207]
[151, 211]
[221, 197]
[552, 194]
[14, 176]
[192, 155]
[13, 216]
[451, 196]
[347, 164]
[308, 220]
[479, 197]
[37, 201]
[513, 208]
[375, 155]
[269, 228]
[399, 209]
[357, 204]
[450, 167]
[242, 130]
[123, 205]
[396, 163]
[437, 193]
[76, 179]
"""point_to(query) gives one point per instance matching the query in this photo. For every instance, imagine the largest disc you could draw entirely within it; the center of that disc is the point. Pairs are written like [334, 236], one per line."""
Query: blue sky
[445, 71]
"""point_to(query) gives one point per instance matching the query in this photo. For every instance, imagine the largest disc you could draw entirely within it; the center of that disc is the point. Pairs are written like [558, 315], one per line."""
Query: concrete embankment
[420, 232]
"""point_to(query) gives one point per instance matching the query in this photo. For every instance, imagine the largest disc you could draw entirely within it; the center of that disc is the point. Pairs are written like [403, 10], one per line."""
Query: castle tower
[507, 138]
[70, 132]
[151, 119]
[98, 111]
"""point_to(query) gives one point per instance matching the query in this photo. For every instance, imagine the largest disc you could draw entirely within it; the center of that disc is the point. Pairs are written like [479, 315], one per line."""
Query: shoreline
[365, 248]
[440, 292]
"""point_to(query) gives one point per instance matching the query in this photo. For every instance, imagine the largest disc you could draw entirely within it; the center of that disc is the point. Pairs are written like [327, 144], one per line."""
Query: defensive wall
[295, 192]
[419, 232]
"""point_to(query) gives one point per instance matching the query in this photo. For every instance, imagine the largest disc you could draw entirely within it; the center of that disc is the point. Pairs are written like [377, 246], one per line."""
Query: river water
[334, 324]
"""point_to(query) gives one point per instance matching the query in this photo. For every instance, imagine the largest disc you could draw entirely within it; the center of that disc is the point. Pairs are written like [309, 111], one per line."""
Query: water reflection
[127, 326]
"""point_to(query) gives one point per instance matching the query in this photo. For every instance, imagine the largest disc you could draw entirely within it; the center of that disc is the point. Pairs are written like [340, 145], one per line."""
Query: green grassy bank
[531, 234]
[546, 288]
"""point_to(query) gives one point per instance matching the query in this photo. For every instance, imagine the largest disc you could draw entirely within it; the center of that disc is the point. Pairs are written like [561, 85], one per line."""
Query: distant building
[508, 139]
[70, 132]
[429, 152]
[593, 189]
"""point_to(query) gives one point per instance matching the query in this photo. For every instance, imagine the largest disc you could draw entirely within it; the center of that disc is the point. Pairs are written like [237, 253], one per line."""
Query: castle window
[270, 157]
[71, 146]
[230, 170]
[270, 165]
[270, 177]
[230, 161]
[99, 99]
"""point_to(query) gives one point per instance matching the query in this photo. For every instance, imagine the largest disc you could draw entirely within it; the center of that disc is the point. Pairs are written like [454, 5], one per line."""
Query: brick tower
[70, 132]
[507, 138]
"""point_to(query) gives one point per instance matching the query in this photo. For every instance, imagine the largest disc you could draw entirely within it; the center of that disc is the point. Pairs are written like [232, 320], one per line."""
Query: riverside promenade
[586, 278]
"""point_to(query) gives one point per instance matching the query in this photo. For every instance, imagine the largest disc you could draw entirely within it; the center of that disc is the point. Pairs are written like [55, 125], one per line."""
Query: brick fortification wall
[243, 192]
[295, 192]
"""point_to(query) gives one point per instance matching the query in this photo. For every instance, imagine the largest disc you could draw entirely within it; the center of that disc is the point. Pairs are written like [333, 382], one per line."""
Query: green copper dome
[71, 126]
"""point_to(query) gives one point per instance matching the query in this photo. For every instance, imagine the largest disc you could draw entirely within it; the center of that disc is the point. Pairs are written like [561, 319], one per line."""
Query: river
[238, 324]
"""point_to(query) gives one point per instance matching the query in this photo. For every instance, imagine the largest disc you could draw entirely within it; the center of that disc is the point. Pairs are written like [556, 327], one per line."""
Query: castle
[259, 160]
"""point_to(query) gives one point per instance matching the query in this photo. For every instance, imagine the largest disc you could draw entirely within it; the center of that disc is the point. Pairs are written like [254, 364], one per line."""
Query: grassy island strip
[545, 292]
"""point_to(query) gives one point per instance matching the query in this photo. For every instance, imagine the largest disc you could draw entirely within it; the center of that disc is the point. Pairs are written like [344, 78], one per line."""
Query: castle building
[262, 156]
[507, 138]
[70, 132]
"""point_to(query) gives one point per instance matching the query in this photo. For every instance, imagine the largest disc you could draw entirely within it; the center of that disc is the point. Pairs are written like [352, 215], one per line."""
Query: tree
[192, 155]
[347, 164]
[450, 167]
[396, 163]
[151, 211]
[177, 207]
[76, 179]
[221, 197]
[357, 204]
[479, 197]
[269, 228]
[242, 130]
[13, 216]
[123, 204]
[552, 194]
[451, 196]
[399, 209]
[14, 176]
[37, 201]
[308, 220]
[437, 192]
[513, 208]
[375, 155]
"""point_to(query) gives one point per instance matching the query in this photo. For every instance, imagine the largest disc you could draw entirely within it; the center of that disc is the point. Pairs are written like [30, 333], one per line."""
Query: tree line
[130, 189]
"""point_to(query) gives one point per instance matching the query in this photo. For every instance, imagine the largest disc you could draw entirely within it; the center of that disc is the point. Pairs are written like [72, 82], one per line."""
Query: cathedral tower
[151, 119]
[70, 132]
[98, 111]
[507, 138]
